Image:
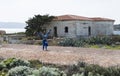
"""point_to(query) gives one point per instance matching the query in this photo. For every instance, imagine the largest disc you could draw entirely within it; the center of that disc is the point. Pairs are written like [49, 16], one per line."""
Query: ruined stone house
[77, 26]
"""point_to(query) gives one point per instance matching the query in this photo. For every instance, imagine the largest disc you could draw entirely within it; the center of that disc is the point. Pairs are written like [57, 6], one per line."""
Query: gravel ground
[61, 55]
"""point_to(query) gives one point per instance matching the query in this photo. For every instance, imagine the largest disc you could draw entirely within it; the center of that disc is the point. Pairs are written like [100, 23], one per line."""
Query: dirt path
[62, 55]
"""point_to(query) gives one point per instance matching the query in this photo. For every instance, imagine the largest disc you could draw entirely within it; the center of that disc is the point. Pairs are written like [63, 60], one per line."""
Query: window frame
[66, 29]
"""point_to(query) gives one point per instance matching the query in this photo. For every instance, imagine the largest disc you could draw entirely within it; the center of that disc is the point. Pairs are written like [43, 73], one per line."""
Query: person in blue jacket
[44, 38]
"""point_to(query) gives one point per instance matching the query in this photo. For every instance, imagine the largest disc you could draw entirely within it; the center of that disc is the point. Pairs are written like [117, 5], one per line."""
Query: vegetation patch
[92, 42]
[37, 68]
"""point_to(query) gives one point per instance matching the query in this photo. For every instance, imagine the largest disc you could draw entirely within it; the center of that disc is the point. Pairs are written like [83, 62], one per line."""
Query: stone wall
[61, 28]
[102, 28]
[81, 28]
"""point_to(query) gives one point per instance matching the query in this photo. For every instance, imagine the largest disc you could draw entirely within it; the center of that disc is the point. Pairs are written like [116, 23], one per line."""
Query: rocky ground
[61, 55]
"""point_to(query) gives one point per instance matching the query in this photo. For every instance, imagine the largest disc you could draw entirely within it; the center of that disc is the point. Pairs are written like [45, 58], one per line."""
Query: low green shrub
[112, 71]
[73, 42]
[82, 42]
[2, 66]
[20, 71]
[94, 69]
[13, 62]
[72, 69]
[94, 74]
[78, 74]
[81, 64]
[36, 73]
[19, 62]
[47, 71]
[75, 69]
[39, 69]
[115, 38]
[35, 64]
[100, 40]
[3, 73]
[7, 62]
[1, 59]
[67, 42]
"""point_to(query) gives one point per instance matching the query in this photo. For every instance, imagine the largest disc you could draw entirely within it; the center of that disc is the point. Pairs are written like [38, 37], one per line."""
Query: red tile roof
[74, 17]
[71, 17]
[101, 19]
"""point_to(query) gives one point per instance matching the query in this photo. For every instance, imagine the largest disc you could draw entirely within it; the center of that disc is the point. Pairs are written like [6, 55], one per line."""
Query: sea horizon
[13, 30]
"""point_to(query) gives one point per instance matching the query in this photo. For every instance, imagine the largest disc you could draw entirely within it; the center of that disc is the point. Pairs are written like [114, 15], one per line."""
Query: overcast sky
[22, 10]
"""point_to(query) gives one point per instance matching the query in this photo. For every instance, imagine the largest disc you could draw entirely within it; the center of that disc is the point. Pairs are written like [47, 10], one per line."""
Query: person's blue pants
[45, 44]
[44, 47]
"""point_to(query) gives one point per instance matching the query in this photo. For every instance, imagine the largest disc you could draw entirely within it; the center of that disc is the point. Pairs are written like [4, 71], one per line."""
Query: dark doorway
[89, 30]
[55, 31]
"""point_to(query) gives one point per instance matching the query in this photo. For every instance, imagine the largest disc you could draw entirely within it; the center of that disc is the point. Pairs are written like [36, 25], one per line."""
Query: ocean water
[13, 30]
[116, 32]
